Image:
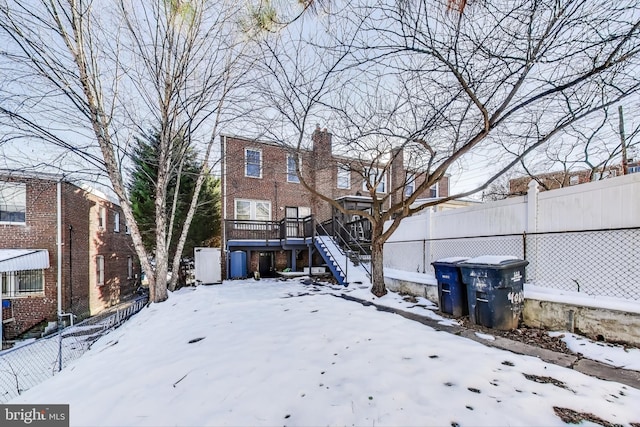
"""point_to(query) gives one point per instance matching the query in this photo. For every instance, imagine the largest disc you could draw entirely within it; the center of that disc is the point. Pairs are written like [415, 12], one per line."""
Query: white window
[433, 191]
[259, 210]
[16, 283]
[102, 217]
[291, 169]
[344, 177]
[129, 267]
[298, 212]
[13, 203]
[376, 175]
[574, 179]
[116, 222]
[410, 185]
[304, 212]
[100, 270]
[253, 163]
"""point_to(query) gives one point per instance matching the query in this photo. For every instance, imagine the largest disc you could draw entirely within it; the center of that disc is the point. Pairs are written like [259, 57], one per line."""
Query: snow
[410, 276]
[271, 352]
[453, 259]
[577, 298]
[355, 274]
[615, 355]
[485, 336]
[491, 259]
[611, 354]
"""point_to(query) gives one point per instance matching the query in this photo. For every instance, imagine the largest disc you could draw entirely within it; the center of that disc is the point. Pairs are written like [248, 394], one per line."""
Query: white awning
[23, 259]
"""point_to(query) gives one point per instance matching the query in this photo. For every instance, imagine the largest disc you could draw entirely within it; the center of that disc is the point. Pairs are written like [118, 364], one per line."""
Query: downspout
[59, 237]
[61, 314]
[224, 205]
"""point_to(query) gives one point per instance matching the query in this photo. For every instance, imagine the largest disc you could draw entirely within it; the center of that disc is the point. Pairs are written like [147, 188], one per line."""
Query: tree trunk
[377, 272]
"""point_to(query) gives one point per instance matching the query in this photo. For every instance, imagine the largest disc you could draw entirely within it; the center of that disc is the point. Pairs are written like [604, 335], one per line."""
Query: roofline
[257, 141]
[337, 157]
[47, 176]
[52, 177]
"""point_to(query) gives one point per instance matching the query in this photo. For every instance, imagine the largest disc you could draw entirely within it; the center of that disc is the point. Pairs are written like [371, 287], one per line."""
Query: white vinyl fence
[584, 238]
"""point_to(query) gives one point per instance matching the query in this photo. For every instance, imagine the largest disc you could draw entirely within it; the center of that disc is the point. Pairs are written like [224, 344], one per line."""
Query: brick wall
[272, 186]
[319, 168]
[115, 248]
[38, 232]
[555, 180]
[79, 245]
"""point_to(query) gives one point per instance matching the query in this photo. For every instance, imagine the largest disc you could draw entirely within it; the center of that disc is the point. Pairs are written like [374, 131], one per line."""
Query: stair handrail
[344, 242]
[346, 271]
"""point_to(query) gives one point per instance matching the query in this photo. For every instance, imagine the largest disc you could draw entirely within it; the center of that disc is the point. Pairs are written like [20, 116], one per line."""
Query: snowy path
[281, 353]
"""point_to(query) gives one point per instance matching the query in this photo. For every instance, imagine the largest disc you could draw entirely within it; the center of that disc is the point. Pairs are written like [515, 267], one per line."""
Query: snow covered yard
[284, 353]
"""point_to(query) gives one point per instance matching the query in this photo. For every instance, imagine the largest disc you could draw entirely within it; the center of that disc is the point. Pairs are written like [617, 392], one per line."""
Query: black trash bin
[494, 290]
[452, 293]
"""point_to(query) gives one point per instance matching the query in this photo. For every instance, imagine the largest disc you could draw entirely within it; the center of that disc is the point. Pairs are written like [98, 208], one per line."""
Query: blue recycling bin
[452, 293]
[494, 290]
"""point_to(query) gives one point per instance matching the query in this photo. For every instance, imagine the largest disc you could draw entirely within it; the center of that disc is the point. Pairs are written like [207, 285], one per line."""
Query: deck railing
[288, 228]
[355, 236]
[236, 229]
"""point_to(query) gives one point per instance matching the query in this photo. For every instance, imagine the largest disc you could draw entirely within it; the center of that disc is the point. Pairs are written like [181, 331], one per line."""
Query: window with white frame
[433, 191]
[129, 267]
[344, 177]
[259, 210]
[100, 270]
[376, 175]
[16, 283]
[102, 217]
[13, 203]
[292, 176]
[410, 185]
[116, 222]
[253, 163]
[574, 179]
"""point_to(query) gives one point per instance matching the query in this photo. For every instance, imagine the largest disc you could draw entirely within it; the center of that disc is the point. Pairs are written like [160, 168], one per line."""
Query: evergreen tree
[205, 227]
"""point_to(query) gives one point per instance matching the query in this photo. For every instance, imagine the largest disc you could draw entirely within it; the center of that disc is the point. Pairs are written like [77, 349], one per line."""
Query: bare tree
[118, 68]
[583, 153]
[444, 86]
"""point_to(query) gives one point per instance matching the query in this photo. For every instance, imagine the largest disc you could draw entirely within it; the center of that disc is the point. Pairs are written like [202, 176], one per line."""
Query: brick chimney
[321, 143]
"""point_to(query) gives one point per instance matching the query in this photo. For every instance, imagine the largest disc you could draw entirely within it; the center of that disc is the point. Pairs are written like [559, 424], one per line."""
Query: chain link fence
[599, 262]
[27, 365]
[595, 262]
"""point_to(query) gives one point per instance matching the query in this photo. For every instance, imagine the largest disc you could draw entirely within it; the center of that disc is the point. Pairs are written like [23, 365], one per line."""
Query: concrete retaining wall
[596, 323]
[429, 292]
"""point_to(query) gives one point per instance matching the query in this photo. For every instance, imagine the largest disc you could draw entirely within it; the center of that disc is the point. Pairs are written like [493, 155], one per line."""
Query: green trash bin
[494, 290]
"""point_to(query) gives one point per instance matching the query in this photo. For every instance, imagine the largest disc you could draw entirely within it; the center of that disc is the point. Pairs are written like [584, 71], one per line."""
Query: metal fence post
[59, 344]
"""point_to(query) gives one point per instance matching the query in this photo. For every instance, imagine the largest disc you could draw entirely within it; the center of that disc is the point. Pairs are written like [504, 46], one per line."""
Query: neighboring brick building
[259, 183]
[554, 180]
[96, 255]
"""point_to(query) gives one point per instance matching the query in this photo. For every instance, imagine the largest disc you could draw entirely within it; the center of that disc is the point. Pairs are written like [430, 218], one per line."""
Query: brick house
[93, 268]
[259, 183]
[555, 180]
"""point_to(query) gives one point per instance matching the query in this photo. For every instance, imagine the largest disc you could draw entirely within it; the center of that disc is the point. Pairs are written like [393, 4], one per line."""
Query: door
[265, 265]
